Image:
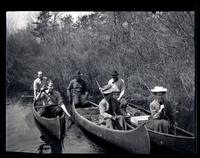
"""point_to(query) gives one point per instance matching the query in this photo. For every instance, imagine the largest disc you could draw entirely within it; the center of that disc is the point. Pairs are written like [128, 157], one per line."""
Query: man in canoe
[53, 101]
[77, 91]
[118, 87]
[162, 117]
[109, 109]
[39, 83]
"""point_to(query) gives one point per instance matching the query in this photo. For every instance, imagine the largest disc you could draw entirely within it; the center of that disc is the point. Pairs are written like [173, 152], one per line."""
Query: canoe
[182, 142]
[50, 141]
[54, 125]
[134, 140]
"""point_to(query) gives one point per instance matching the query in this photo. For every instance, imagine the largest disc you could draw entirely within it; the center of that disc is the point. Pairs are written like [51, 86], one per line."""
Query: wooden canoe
[51, 141]
[182, 142]
[135, 140]
[54, 125]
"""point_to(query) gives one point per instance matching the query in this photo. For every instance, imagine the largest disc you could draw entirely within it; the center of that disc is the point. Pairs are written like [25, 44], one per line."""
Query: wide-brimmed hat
[114, 73]
[107, 89]
[158, 89]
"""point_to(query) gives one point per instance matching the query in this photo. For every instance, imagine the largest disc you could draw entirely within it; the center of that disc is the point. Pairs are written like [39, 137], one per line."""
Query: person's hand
[100, 89]
[162, 107]
[43, 89]
[114, 117]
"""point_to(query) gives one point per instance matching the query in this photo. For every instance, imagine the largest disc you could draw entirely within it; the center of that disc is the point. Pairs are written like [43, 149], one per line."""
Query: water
[24, 135]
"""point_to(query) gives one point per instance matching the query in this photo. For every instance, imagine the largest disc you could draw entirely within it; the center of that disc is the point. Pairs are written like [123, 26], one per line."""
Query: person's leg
[165, 126]
[84, 100]
[45, 112]
[56, 111]
[76, 100]
[123, 103]
[122, 122]
[109, 123]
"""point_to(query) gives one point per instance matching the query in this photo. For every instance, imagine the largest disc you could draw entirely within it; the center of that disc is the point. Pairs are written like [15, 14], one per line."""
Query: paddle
[99, 87]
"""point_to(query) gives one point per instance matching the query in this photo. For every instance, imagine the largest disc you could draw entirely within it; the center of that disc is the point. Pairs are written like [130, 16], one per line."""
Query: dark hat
[114, 73]
[78, 73]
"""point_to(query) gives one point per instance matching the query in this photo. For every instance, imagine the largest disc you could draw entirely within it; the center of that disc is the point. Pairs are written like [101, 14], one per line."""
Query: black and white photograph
[100, 82]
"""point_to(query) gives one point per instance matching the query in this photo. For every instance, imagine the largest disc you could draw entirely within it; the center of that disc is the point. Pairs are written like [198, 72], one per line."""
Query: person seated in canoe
[54, 105]
[162, 118]
[109, 108]
[39, 83]
[77, 91]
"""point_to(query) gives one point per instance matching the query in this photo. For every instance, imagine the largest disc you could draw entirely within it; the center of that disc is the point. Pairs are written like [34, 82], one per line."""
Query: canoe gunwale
[160, 139]
[177, 128]
[116, 137]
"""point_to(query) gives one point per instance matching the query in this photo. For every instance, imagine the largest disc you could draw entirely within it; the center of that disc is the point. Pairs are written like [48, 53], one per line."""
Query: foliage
[146, 48]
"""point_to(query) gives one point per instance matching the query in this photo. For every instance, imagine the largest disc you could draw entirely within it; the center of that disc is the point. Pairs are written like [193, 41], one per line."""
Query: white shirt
[118, 86]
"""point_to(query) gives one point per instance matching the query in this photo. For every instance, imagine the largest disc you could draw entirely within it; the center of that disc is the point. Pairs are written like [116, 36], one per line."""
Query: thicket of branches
[146, 49]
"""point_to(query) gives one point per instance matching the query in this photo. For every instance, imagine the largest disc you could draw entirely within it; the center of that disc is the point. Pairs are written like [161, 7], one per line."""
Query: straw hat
[159, 89]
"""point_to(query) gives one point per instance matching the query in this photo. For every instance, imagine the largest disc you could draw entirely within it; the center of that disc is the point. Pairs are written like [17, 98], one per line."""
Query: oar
[57, 104]
[43, 106]
[99, 87]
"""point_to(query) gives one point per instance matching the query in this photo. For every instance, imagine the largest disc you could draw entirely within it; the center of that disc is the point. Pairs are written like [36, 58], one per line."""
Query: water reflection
[49, 144]
[24, 135]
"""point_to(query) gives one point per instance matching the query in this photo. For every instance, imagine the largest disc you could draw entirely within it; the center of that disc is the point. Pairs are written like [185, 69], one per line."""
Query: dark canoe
[54, 125]
[50, 140]
[182, 142]
[135, 140]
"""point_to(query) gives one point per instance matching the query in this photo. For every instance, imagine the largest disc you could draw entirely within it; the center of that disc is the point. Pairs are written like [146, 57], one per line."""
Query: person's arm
[61, 104]
[157, 115]
[102, 109]
[86, 90]
[35, 89]
[64, 109]
[122, 92]
[153, 109]
[170, 113]
[40, 95]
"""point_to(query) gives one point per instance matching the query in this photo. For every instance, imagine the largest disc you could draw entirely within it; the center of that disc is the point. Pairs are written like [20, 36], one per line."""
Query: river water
[24, 135]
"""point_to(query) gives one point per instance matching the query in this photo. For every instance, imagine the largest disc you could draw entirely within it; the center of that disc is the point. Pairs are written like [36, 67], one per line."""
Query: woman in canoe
[162, 117]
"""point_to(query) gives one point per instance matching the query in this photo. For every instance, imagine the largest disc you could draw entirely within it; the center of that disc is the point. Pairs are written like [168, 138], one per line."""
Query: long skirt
[161, 125]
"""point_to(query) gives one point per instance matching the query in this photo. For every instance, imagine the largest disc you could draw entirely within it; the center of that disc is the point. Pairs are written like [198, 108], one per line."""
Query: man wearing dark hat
[118, 87]
[109, 108]
[77, 91]
[162, 117]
